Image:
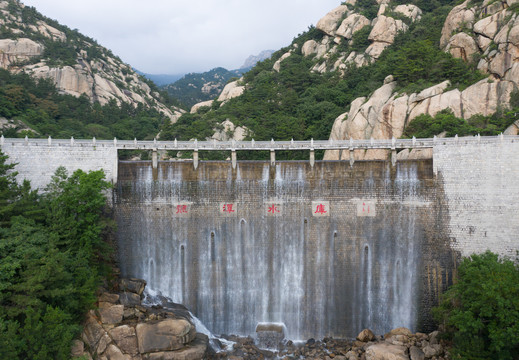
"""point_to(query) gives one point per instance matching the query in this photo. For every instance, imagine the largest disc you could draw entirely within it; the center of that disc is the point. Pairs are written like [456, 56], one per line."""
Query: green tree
[481, 310]
[53, 254]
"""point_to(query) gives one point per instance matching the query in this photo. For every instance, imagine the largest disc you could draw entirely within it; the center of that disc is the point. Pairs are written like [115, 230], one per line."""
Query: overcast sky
[177, 37]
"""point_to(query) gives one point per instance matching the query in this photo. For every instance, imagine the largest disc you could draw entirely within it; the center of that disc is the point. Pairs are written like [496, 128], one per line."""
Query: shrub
[481, 310]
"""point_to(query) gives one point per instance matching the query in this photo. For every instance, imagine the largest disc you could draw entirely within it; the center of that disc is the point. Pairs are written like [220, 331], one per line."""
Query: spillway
[326, 250]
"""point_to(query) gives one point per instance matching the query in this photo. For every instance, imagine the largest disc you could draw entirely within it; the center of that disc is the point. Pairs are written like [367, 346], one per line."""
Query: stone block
[125, 338]
[135, 286]
[112, 314]
[164, 335]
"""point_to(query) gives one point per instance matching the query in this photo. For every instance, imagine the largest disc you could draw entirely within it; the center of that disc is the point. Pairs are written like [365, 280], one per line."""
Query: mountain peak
[254, 59]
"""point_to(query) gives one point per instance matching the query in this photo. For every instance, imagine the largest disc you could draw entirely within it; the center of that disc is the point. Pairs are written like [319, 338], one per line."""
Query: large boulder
[195, 351]
[459, 15]
[384, 351]
[411, 11]
[366, 335]
[385, 29]
[231, 90]
[125, 338]
[351, 25]
[328, 24]
[114, 353]
[164, 335]
[462, 46]
[198, 106]
[112, 314]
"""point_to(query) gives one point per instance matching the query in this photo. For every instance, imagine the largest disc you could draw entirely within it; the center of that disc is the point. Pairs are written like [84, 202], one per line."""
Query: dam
[327, 251]
[325, 247]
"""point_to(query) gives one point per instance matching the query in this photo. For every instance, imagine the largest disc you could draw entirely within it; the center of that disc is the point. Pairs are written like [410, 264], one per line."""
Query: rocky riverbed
[124, 327]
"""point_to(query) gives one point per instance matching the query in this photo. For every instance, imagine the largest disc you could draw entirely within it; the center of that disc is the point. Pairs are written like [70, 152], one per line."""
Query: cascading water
[321, 276]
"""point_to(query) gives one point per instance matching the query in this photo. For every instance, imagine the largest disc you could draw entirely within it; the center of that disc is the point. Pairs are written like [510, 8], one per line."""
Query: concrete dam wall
[327, 250]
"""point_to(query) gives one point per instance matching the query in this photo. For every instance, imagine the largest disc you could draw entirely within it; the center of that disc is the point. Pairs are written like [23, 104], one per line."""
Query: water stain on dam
[327, 250]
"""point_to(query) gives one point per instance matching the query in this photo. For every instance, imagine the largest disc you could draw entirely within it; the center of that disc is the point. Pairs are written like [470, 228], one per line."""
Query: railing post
[115, 141]
[195, 159]
[233, 154]
[233, 158]
[312, 158]
[393, 151]
[154, 158]
[49, 141]
[71, 141]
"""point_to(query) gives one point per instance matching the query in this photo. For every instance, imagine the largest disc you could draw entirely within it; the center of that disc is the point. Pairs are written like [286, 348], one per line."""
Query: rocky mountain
[371, 68]
[198, 87]
[482, 33]
[254, 59]
[36, 45]
[204, 87]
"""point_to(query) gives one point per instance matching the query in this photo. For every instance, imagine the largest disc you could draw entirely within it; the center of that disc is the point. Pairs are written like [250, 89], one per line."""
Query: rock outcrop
[231, 90]
[386, 113]
[118, 330]
[229, 131]
[18, 51]
[94, 72]
[384, 28]
[487, 34]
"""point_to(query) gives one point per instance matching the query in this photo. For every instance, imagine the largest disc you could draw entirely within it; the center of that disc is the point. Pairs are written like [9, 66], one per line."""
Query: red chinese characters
[366, 208]
[181, 209]
[320, 208]
[273, 209]
[228, 208]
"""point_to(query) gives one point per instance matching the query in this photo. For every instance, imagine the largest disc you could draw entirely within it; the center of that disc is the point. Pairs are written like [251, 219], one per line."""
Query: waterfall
[272, 259]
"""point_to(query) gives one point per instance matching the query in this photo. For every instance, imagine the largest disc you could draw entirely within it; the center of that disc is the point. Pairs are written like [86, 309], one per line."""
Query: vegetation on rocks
[302, 104]
[427, 126]
[194, 88]
[481, 310]
[38, 105]
[52, 258]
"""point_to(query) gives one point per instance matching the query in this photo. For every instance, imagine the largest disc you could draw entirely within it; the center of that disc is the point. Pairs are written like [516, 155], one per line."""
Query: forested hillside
[304, 88]
[197, 87]
[57, 82]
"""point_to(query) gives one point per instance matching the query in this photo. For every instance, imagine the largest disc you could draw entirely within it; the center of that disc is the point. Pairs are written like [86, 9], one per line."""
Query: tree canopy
[53, 255]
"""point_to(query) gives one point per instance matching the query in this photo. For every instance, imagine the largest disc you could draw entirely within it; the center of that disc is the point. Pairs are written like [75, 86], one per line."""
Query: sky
[178, 37]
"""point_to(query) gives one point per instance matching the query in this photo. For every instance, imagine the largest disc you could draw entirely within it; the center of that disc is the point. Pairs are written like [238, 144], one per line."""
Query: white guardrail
[213, 145]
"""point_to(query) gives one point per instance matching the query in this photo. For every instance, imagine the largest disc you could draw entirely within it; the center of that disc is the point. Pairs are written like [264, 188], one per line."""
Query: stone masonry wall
[481, 186]
[37, 162]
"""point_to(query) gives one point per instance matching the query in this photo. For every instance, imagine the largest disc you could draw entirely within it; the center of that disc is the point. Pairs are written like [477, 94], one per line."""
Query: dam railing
[272, 146]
